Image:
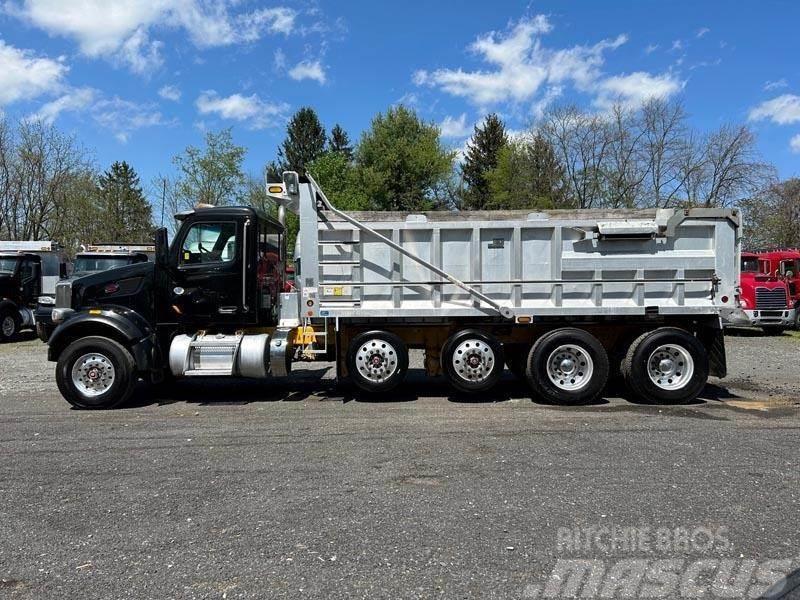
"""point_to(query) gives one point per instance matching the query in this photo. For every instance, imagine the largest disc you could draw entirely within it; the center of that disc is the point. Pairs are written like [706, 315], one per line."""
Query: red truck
[765, 298]
[785, 264]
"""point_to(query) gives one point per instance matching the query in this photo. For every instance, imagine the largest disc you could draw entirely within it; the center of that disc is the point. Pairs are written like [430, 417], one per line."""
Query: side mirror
[162, 247]
[291, 181]
[62, 270]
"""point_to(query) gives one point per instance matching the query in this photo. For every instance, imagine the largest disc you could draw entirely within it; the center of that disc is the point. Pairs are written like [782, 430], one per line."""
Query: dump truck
[27, 271]
[565, 299]
[92, 258]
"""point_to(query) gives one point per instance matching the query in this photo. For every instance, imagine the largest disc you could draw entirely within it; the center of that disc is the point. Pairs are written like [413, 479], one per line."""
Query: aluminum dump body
[539, 264]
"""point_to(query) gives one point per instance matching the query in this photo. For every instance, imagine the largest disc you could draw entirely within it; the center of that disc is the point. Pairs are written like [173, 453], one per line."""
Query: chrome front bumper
[772, 318]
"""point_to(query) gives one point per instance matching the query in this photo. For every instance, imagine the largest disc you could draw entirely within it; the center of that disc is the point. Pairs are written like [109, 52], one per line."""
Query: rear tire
[377, 361]
[666, 366]
[567, 366]
[95, 373]
[472, 360]
[10, 324]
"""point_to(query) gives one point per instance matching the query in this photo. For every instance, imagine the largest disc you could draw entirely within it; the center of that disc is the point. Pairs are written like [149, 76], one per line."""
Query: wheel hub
[93, 374]
[376, 360]
[570, 367]
[8, 326]
[670, 367]
[473, 360]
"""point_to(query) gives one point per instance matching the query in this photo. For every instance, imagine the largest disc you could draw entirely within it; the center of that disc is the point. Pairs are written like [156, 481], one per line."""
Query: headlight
[48, 300]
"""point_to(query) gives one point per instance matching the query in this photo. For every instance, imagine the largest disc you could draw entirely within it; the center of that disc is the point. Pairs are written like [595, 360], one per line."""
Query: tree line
[647, 156]
[50, 189]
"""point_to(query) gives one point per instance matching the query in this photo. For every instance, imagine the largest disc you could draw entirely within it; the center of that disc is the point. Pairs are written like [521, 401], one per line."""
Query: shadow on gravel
[312, 384]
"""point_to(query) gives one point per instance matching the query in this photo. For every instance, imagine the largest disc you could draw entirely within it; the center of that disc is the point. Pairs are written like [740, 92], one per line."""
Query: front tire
[472, 361]
[9, 325]
[377, 361]
[95, 373]
[666, 366]
[568, 366]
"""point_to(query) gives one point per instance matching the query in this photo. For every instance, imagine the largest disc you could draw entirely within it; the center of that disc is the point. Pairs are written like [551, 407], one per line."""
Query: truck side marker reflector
[95, 311]
[524, 319]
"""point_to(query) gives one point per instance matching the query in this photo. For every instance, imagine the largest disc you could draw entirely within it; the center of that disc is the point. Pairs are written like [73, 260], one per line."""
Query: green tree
[339, 142]
[210, 175]
[340, 181]
[482, 154]
[772, 217]
[528, 175]
[305, 141]
[401, 160]
[127, 215]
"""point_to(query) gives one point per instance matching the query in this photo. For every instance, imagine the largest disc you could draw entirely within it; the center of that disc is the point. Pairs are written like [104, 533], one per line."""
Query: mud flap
[714, 341]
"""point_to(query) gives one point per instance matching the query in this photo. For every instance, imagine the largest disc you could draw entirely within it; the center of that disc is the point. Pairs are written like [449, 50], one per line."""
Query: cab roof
[229, 211]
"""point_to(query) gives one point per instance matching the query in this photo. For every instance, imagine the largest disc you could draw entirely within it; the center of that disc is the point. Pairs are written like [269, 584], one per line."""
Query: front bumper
[772, 318]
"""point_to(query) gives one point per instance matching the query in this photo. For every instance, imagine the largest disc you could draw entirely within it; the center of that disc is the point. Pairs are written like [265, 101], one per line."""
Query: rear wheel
[9, 325]
[668, 365]
[472, 360]
[377, 361]
[567, 366]
[95, 373]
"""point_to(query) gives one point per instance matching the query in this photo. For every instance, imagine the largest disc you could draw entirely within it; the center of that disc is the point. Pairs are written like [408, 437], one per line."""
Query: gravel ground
[297, 489]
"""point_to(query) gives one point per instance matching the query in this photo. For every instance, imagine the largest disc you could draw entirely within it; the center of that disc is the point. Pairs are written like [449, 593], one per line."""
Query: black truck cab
[20, 286]
[223, 273]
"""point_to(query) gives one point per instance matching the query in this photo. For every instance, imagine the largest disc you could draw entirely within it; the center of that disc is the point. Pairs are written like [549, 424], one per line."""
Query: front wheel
[95, 373]
[9, 325]
[668, 365]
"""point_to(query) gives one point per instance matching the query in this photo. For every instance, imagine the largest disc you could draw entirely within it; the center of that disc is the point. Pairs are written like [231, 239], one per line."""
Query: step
[208, 372]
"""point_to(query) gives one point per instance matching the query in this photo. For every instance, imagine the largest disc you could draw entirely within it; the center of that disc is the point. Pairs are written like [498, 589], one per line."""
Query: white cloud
[122, 31]
[794, 144]
[455, 127]
[636, 88]
[257, 113]
[521, 65]
[650, 48]
[701, 32]
[73, 101]
[782, 110]
[23, 75]
[123, 117]
[776, 85]
[308, 70]
[170, 92]
[677, 45]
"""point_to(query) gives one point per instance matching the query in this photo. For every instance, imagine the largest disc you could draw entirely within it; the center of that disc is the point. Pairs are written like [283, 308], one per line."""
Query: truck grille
[767, 299]
[64, 294]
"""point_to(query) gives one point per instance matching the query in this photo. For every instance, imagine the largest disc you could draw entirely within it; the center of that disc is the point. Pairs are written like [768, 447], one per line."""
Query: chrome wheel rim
[8, 326]
[473, 361]
[670, 367]
[93, 374]
[570, 367]
[376, 360]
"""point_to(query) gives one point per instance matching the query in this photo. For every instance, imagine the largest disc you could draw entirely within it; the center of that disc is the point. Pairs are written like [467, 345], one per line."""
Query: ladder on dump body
[504, 311]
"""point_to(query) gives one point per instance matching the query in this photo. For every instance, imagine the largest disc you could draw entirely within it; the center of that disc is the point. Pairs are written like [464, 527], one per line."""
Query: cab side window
[209, 243]
[26, 271]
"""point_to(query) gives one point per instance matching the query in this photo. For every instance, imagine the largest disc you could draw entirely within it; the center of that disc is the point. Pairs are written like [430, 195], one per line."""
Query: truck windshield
[8, 264]
[94, 264]
[750, 265]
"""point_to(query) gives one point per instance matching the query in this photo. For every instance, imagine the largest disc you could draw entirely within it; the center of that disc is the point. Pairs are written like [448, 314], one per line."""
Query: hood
[100, 277]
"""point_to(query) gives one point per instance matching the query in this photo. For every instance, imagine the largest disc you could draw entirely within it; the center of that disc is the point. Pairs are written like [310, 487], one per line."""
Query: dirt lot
[298, 489]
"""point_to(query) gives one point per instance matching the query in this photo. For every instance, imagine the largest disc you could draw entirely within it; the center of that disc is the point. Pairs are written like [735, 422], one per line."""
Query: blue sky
[139, 80]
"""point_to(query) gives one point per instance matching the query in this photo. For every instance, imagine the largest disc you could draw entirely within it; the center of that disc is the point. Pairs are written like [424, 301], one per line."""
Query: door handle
[227, 310]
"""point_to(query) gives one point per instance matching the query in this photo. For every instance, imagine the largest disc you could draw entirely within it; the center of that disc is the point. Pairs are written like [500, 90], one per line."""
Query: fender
[122, 324]
[6, 304]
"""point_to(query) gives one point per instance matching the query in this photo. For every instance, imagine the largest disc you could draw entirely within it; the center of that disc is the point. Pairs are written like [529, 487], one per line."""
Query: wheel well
[86, 330]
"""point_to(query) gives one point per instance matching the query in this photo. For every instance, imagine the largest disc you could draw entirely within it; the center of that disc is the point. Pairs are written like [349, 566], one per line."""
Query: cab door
[30, 279]
[209, 276]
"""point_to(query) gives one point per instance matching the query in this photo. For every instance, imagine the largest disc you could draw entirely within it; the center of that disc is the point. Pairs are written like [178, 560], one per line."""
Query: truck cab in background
[27, 271]
[93, 258]
[785, 265]
[764, 298]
